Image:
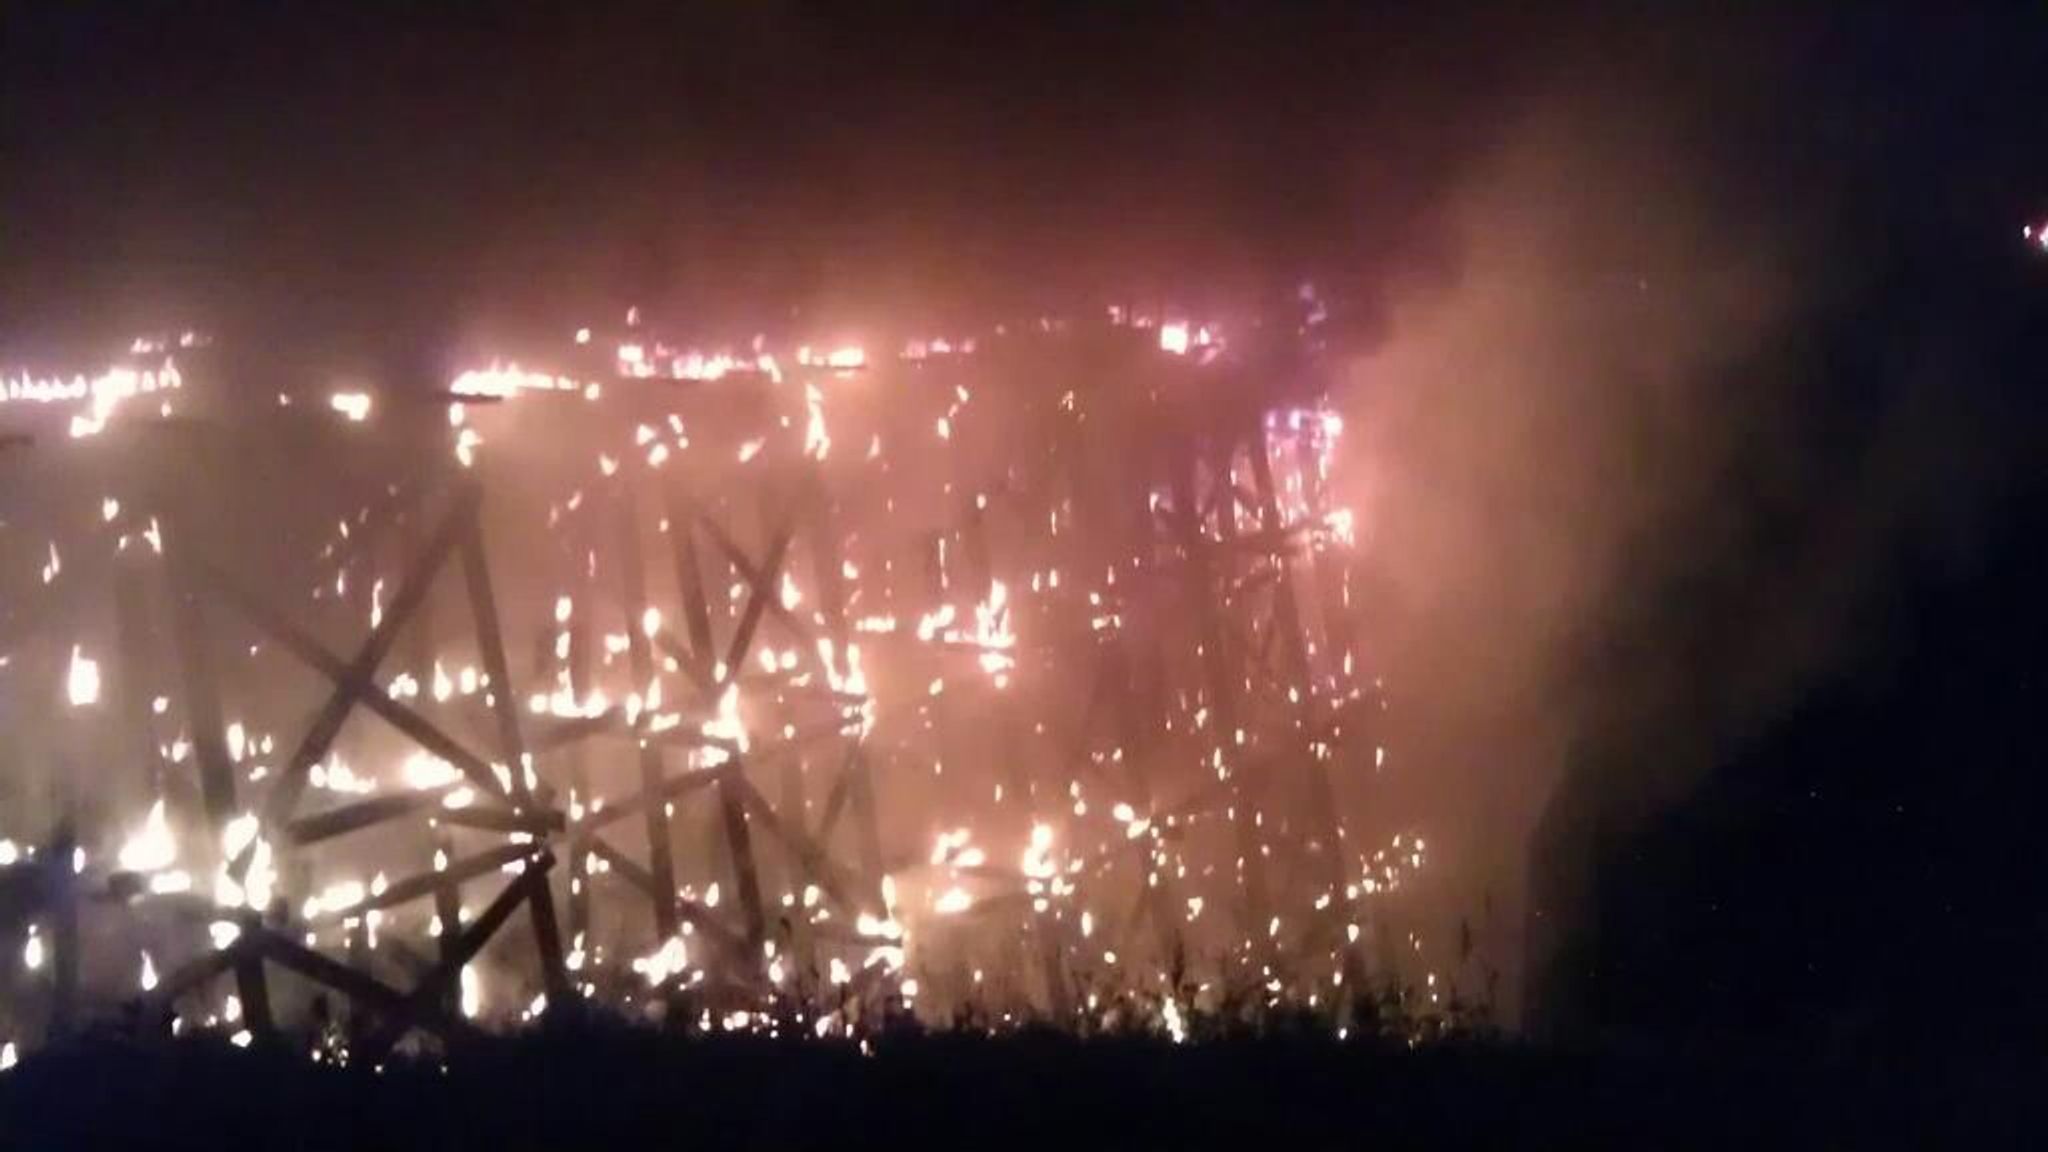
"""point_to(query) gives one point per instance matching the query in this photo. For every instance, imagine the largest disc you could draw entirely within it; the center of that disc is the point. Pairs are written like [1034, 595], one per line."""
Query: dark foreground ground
[624, 1089]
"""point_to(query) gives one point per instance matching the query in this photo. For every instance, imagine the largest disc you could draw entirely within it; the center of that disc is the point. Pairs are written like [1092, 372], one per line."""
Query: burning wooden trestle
[1083, 597]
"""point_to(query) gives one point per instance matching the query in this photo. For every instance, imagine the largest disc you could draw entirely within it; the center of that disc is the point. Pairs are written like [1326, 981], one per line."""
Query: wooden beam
[690, 575]
[538, 823]
[423, 884]
[669, 788]
[654, 816]
[288, 953]
[347, 818]
[802, 848]
[1287, 620]
[690, 911]
[208, 732]
[448, 917]
[504, 698]
[424, 1006]
[61, 895]
[360, 675]
[162, 1000]
[752, 574]
[579, 770]
[1199, 589]
[295, 640]
[483, 603]
[762, 593]
[204, 720]
[135, 677]
[835, 799]
[739, 845]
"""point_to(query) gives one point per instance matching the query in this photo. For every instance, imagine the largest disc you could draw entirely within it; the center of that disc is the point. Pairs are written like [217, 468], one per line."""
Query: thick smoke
[1527, 432]
[1629, 494]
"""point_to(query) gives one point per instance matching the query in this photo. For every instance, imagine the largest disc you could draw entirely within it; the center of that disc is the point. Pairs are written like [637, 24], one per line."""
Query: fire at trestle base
[1008, 676]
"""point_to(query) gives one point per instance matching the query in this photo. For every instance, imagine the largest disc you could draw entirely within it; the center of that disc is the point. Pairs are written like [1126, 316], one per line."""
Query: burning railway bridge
[772, 688]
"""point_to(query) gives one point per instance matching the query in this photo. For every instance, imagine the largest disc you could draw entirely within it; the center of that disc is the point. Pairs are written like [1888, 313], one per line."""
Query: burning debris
[708, 682]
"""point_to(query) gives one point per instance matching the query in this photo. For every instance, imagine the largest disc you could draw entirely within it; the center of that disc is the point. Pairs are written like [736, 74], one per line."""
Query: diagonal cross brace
[360, 675]
[309, 651]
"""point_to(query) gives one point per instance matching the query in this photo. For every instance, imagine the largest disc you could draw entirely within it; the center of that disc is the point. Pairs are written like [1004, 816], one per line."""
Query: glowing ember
[82, 683]
[354, 405]
[151, 848]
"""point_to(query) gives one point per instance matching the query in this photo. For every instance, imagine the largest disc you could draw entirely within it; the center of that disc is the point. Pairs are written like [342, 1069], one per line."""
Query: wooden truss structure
[1223, 585]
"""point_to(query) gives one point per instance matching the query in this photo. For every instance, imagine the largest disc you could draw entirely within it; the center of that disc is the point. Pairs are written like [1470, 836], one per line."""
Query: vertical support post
[739, 843]
[208, 731]
[682, 536]
[867, 828]
[739, 839]
[1011, 739]
[1286, 608]
[790, 770]
[580, 635]
[413, 535]
[61, 892]
[136, 673]
[1059, 997]
[547, 935]
[476, 567]
[1287, 617]
[1339, 633]
[1134, 738]
[828, 563]
[633, 587]
[1201, 592]
[704, 656]
[448, 914]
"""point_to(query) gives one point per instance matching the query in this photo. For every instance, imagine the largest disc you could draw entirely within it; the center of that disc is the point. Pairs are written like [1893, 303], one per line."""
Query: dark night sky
[334, 160]
[216, 158]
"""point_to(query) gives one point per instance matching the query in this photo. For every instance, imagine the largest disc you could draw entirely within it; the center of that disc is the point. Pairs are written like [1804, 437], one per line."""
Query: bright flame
[354, 405]
[817, 442]
[152, 848]
[82, 684]
[1037, 862]
[727, 725]
[992, 633]
[672, 957]
[502, 381]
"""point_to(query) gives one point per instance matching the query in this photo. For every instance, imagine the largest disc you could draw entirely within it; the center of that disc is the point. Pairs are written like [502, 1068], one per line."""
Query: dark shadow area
[632, 1088]
[1844, 888]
